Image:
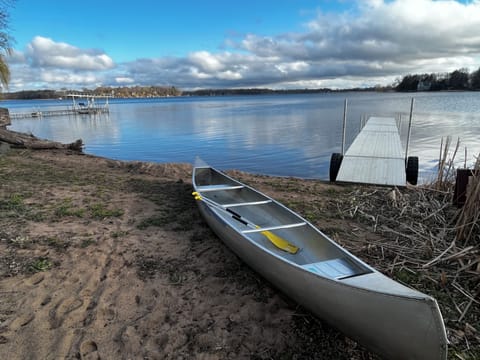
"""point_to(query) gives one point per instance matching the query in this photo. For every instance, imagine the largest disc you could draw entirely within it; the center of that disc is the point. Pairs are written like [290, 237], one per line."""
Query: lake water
[287, 135]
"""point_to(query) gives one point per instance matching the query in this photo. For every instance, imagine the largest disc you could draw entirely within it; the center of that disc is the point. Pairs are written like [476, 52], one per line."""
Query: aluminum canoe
[386, 317]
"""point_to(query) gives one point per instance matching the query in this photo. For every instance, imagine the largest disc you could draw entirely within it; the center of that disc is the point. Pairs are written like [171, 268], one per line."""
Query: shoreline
[108, 258]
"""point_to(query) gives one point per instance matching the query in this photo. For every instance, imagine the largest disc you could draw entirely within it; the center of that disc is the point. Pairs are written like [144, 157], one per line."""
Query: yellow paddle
[279, 242]
[276, 240]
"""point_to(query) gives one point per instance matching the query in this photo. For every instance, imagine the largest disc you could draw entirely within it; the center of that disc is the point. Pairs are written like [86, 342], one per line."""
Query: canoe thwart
[334, 269]
[220, 187]
[270, 228]
[250, 203]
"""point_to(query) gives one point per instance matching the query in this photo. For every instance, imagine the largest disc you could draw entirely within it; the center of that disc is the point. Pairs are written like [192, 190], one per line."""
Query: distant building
[424, 85]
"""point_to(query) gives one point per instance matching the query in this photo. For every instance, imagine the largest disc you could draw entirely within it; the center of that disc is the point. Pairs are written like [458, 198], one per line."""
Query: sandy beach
[109, 260]
[102, 259]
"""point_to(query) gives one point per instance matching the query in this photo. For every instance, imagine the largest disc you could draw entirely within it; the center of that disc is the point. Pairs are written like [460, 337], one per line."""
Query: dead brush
[428, 243]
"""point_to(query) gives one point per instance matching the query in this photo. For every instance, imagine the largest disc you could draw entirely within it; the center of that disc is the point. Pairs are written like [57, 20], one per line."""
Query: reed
[416, 242]
[467, 219]
[445, 179]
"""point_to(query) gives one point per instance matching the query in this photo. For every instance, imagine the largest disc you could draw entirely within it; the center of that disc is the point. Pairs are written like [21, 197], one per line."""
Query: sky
[198, 44]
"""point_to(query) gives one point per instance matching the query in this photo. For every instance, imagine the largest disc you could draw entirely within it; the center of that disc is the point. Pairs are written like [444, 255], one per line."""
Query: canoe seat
[333, 269]
[219, 187]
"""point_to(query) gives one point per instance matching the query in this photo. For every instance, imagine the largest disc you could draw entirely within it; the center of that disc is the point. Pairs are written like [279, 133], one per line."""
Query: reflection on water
[289, 135]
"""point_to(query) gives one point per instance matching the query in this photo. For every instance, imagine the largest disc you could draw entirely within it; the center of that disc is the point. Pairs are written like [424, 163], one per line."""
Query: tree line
[159, 91]
[459, 79]
[137, 91]
[119, 92]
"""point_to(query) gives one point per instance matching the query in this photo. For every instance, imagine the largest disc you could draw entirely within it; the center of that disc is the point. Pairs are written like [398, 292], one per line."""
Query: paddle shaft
[234, 214]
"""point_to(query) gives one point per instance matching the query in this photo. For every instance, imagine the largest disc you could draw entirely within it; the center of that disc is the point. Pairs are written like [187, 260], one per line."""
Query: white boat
[388, 318]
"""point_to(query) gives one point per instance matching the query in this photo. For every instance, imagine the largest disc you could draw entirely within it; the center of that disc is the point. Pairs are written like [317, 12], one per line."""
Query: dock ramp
[376, 157]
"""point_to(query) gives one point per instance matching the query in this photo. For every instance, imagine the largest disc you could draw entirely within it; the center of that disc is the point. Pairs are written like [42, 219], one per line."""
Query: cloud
[49, 64]
[205, 61]
[16, 57]
[393, 31]
[25, 77]
[124, 80]
[44, 52]
[373, 42]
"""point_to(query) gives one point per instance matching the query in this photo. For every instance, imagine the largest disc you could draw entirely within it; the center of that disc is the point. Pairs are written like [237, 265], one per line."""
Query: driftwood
[26, 141]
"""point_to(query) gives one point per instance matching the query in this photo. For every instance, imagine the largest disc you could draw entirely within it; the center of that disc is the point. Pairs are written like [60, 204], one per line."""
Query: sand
[101, 259]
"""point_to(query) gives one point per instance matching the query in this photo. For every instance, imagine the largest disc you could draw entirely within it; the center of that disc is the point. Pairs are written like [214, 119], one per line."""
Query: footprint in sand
[46, 300]
[107, 314]
[35, 279]
[89, 350]
[22, 320]
[62, 309]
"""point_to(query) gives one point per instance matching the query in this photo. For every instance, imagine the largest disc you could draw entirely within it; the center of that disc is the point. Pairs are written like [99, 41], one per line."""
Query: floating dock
[376, 156]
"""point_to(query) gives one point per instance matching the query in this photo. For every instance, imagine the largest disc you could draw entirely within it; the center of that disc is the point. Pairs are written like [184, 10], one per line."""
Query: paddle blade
[279, 242]
[196, 195]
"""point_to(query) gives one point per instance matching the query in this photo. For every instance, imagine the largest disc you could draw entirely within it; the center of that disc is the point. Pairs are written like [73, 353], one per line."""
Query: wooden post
[344, 126]
[409, 130]
[461, 183]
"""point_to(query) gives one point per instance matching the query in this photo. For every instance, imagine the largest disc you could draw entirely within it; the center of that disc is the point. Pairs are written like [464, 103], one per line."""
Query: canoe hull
[395, 326]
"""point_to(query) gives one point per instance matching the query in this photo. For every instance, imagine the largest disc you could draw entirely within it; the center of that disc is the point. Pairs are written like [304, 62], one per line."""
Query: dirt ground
[101, 259]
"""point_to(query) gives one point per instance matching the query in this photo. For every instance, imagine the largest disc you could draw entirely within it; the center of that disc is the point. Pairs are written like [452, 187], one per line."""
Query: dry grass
[418, 246]
[446, 174]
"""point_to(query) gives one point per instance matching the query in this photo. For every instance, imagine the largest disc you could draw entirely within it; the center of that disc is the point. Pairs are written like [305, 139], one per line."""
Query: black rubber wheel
[335, 162]
[412, 170]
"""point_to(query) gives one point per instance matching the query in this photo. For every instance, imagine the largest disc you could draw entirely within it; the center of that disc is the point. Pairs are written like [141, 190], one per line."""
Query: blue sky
[227, 44]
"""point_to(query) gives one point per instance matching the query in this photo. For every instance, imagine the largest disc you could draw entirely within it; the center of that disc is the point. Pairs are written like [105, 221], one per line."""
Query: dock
[81, 104]
[376, 155]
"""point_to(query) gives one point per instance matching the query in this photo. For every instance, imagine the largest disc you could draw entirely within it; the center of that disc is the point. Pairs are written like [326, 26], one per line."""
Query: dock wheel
[412, 170]
[335, 162]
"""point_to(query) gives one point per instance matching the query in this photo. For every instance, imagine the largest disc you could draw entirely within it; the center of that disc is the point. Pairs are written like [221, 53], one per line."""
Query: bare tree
[5, 41]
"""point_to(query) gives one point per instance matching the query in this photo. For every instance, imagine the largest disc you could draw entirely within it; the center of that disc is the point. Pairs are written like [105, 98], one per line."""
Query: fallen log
[26, 141]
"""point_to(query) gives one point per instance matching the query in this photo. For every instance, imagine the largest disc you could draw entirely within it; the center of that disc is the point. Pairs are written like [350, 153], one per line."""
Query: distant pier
[81, 104]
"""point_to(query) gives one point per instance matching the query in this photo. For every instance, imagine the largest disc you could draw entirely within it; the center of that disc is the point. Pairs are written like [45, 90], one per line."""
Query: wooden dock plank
[376, 155]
